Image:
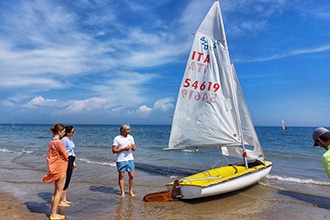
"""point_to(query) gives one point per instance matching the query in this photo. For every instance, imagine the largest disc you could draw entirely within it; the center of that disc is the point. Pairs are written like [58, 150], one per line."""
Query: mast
[239, 122]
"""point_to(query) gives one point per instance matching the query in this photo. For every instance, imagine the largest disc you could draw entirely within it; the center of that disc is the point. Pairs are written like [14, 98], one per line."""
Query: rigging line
[219, 161]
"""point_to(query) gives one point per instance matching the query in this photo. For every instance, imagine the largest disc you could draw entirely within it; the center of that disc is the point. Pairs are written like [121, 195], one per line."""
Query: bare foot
[131, 194]
[122, 195]
[63, 204]
[67, 202]
[56, 217]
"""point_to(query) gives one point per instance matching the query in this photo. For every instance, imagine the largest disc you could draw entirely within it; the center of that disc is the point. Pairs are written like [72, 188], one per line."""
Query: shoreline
[95, 195]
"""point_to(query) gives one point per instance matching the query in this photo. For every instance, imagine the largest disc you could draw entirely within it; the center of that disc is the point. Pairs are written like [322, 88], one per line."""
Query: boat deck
[221, 174]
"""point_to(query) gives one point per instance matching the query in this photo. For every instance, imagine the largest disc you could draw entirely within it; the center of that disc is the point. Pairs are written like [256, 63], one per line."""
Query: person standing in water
[69, 145]
[57, 158]
[124, 145]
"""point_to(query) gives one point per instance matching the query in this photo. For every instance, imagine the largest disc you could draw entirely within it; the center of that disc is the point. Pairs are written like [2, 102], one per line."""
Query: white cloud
[32, 83]
[144, 111]
[85, 105]
[7, 103]
[164, 104]
[40, 101]
[323, 48]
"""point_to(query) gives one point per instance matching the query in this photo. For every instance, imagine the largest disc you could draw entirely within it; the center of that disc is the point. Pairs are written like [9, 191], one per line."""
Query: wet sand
[95, 196]
[13, 209]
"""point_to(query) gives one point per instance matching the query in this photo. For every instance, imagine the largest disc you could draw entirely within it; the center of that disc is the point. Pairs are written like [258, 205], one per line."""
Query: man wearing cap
[321, 137]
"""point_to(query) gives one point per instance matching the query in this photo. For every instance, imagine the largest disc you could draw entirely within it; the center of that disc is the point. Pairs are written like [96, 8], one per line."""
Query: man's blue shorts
[125, 166]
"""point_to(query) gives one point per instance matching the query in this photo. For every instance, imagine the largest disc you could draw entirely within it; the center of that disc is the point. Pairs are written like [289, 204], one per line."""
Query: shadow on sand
[319, 201]
[40, 207]
[104, 189]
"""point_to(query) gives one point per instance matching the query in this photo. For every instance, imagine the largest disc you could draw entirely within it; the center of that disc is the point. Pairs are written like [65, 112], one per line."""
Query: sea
[297, 167]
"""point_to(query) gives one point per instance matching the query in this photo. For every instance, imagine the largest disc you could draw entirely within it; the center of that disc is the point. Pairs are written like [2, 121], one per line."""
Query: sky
[114, 62]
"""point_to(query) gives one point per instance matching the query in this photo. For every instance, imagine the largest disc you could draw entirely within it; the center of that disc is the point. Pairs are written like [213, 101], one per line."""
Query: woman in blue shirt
[69, 145]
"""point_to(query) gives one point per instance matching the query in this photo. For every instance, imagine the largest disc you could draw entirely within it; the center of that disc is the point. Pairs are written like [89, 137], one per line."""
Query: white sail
[283, 125]
[248, 130]
[211, 110]
[205, 114]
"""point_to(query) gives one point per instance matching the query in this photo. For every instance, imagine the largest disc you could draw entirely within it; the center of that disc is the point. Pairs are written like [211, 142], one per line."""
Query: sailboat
[284, 127]
[211, 112]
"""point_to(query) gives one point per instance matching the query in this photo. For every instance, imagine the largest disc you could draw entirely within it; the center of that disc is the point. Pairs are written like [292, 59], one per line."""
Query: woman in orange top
[57, 158]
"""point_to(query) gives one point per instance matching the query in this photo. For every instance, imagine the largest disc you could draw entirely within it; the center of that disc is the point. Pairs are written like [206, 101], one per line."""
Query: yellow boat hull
[222, 180]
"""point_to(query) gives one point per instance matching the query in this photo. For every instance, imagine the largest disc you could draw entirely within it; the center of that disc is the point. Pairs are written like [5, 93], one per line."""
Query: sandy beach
[25, 196]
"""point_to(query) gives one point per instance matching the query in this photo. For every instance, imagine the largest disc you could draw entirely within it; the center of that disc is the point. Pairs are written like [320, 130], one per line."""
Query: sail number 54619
[202, 86]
